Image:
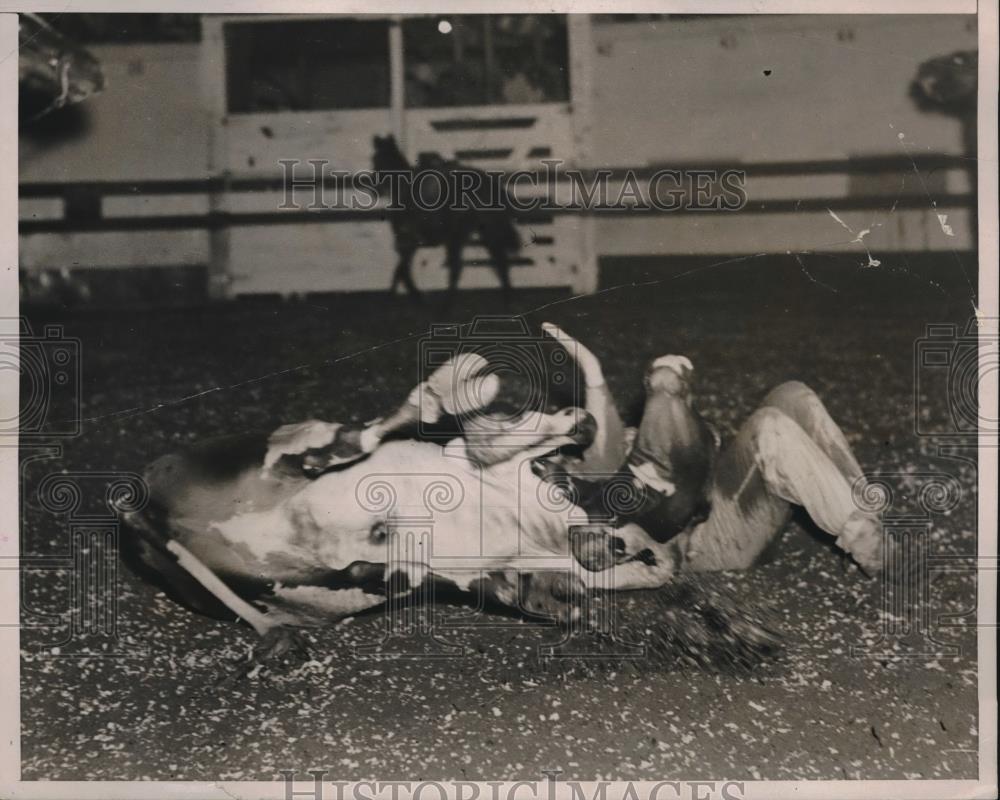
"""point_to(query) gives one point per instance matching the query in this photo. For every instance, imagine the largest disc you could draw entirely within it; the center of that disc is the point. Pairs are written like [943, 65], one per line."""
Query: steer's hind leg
[193, 583]
[278, 642]
[257, 619]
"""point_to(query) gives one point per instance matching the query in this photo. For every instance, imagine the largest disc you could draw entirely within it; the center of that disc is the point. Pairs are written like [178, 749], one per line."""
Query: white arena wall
[674, 93]
[706, 99]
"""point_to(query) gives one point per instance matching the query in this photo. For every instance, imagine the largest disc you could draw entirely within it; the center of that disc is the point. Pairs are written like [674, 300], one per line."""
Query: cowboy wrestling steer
[320, 521]
[306, 525]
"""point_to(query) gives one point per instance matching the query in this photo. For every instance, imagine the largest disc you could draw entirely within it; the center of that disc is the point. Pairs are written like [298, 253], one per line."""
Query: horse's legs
[397, 275]
[453, 259]
[404, 273]
[501, 264]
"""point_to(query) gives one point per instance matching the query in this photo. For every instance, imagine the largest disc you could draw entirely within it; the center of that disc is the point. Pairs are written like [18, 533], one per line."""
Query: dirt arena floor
[152, 707]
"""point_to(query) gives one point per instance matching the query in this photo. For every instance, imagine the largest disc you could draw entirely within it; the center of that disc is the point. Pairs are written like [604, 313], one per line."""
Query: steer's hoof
[280, 647]
[282, 644]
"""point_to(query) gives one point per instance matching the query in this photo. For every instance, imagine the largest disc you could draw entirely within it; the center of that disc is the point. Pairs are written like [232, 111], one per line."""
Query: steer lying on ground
[299, 551]
[319, 521]
[261, 527]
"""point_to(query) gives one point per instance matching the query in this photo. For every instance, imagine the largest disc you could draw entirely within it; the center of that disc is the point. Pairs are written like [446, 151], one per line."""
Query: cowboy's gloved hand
[455, 388]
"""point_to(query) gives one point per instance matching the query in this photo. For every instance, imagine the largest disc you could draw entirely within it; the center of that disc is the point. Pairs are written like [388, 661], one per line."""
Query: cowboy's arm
[454, 387]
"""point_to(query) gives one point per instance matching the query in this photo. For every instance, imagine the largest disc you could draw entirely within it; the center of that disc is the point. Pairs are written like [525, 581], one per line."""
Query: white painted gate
[262, 255]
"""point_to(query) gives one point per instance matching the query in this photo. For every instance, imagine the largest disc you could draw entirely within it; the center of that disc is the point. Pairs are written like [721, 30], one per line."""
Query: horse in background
[419, 218]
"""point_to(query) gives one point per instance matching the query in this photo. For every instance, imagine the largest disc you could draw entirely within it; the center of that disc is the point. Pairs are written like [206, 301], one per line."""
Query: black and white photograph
[499, 402]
